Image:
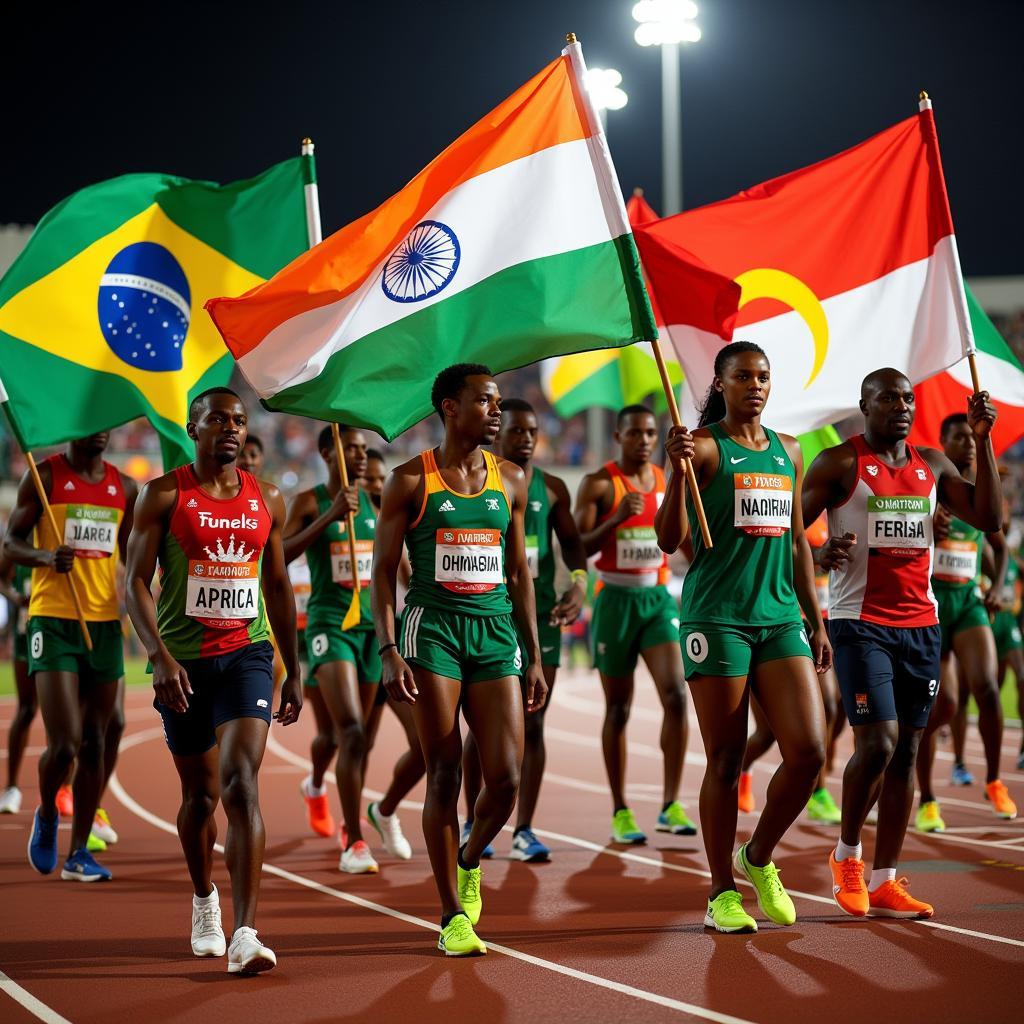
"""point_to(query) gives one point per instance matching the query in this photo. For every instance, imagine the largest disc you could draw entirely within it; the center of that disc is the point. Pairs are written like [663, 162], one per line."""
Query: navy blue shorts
[886, 673]
[229, 686]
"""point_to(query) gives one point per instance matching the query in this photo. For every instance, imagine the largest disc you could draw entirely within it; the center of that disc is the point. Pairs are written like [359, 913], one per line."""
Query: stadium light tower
[668, 24]
[604, 86]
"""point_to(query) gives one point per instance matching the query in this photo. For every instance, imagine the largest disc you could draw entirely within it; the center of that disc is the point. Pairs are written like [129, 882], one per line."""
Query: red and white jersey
[888, 578]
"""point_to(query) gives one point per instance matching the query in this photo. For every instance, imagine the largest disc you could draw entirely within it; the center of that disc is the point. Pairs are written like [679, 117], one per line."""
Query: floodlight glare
[603, 86]
[664, 22]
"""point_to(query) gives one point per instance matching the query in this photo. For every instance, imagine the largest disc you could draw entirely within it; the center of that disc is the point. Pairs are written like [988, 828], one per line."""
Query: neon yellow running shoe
[928, 818]
[469, 893]
[726, 914]
[772, 898]
[674, 819]
[94, 844]
[625, 829]
[821, 807]
[459, 939]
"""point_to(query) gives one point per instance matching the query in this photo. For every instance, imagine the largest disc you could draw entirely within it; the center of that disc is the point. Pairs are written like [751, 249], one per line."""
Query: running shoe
[318, 809]
[848, 888]
[821, 807]
[464, 838]
[457, 938]
[999, 798]
[357, 860]
[42, 843]
[10, 800]
[674, 820]
[960, 776]
[928, 818]
[94, 844]
[528, 848]
[247, 955]
[102, 828]
[470, 896]
[65, 802]
[207, 933]
[81, 867]
[389, 828]
[726, 914]
[772, 898]
[891, 899]
[745, 798]
[625, 829]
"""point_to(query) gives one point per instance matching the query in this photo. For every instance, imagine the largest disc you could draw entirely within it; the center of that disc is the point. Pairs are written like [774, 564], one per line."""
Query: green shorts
[714, 649]
[467, 647]
[628, 620]
[1006, 630]
[329, 643]
[960, 608]
[56, 645]
[550, 638]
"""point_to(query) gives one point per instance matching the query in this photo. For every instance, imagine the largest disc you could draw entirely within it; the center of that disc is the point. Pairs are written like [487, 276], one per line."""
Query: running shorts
[1006, 630]
[467, 647]
[550, 641]
[20, 649]
[331, 643]
[714, 649]
[628, 620]
[960, 608]
[57, 645]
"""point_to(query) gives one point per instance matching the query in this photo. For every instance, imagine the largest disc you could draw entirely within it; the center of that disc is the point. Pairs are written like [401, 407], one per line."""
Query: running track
[599, 934]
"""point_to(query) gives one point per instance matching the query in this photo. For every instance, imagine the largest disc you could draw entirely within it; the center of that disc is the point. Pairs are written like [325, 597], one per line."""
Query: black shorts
[230, 686]
[886, 673]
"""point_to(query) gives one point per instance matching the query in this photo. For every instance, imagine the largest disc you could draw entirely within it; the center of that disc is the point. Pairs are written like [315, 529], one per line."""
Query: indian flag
[511, 246]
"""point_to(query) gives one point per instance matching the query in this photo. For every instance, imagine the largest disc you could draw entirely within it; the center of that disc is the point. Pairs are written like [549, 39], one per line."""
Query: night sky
[219, 91]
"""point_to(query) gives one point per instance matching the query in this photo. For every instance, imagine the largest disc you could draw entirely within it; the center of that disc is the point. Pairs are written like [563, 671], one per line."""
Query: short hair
[517, 405]
[254, 439]
[372, 453]
[952, 420]
[200, 400]
[876, 378]
[451, 380]
[632, 410]
[326, 438]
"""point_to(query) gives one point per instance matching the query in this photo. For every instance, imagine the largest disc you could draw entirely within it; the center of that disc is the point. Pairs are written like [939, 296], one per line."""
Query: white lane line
[570, 972]
[27, 1001]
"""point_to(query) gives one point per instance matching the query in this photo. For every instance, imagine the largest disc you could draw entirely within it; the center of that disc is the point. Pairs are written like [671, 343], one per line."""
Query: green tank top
[457, 545]
[539, 552]
[330, 565]
[746, 579]
[958, 558]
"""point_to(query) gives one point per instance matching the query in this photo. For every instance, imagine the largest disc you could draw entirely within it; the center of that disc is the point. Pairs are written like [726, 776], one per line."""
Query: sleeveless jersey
[330, 565]
[457, 545]
[630, 557]
[958, 557]
[210, 559]
[887, 580]
[539, 552]
[746, 579]
[298, 574]
[88, 519]
[1011, 594]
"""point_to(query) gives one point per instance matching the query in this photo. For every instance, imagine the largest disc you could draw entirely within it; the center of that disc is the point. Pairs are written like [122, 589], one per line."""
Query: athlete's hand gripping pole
[352, 616]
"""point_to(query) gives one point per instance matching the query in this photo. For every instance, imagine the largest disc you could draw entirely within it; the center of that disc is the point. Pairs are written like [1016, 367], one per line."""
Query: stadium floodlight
[665, 22]
[603, 84]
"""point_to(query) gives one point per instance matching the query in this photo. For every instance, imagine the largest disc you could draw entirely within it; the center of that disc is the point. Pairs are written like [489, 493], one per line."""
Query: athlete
[251, 458]
[742, 632]
[16, 586]
[634, 615]
[547, 510]
[216, 532]
[460, 511]
[966, 632]
[80, 692]
[880, 493]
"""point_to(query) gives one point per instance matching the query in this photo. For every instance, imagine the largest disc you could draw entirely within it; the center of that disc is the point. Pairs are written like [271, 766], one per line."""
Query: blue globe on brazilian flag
[101, 315]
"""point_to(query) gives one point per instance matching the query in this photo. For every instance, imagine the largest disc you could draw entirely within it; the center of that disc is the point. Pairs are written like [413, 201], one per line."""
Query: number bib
[899, 525]
[91, 530]
[533, 556]
[224, 595]
[636, 547]
[341, 562]
[763, 503]
[956, 561]
[468, 561]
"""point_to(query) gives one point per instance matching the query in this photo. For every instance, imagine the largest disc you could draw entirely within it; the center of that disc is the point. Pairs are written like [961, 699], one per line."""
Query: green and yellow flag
[101, 315]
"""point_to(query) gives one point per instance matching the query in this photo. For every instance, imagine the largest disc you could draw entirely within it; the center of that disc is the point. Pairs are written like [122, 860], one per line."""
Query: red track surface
[599, 934]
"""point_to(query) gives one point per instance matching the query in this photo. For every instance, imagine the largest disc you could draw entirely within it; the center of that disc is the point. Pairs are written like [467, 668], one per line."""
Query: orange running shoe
[891, 899]
[848, 888]
[318, 812]
[999, 798]
[66, 802]
[746, 794]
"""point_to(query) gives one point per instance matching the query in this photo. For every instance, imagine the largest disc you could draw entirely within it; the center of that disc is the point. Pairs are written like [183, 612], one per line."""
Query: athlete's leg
[760, 741]
[618, 698]
[958, 723]
[896, 798]
[976, 651]
[873, 747]
[472, 778]
[829, 686]
[21, 723]
[324, 745]
[197, 825]
[534, 756]
[1015, 657]
[340, 689]
[837, 730]
[372, 712]
[409, 767]
[943, 711]
[98, 701]
[112, 737]
[665, 664]
[62, 717]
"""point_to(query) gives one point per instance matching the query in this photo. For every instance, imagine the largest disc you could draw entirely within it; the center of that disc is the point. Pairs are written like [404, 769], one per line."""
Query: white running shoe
[357, 860]
[10, 800]
[207, 933]
[389, 828]
[247, 955]
[102, 829]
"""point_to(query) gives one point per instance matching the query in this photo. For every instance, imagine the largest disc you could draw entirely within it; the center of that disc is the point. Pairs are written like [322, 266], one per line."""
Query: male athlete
[80, 692]
[547, 508]
[634, 615]
[460, 511]
[881, 494]
[216, 532]
[251, 458]
[16, 586]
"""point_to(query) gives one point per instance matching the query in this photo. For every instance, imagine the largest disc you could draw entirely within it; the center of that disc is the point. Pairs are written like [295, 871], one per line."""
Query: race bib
[533, 556]
[468, 561]
[956, 561]
[341, 562]
[91, 530]
[899, 525]
[636, 548]
[224, 595]
[763, 503]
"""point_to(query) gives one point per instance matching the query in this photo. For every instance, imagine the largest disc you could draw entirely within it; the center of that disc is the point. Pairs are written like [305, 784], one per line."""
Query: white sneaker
[10, 800]
[357, 860]
[207, 933]
[247, 955]
[102, 829]
[390, 830]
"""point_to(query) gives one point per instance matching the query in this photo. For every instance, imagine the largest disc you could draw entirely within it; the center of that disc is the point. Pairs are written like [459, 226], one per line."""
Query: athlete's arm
[7, 590]
[131, 494]
[569, 606]
[827, 483]
[303, 526]
[280, 602]
[671, 522]
[25, 517]
[593, 500]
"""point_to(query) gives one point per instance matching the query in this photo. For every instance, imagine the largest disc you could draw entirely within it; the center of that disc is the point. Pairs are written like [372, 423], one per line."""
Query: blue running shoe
[528, 848]
[961, 776]
[42, 843]
[464, 838]
[82, 867]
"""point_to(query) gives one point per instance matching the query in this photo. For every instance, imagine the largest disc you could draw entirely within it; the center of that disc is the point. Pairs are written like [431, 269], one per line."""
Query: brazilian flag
[101, 316]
